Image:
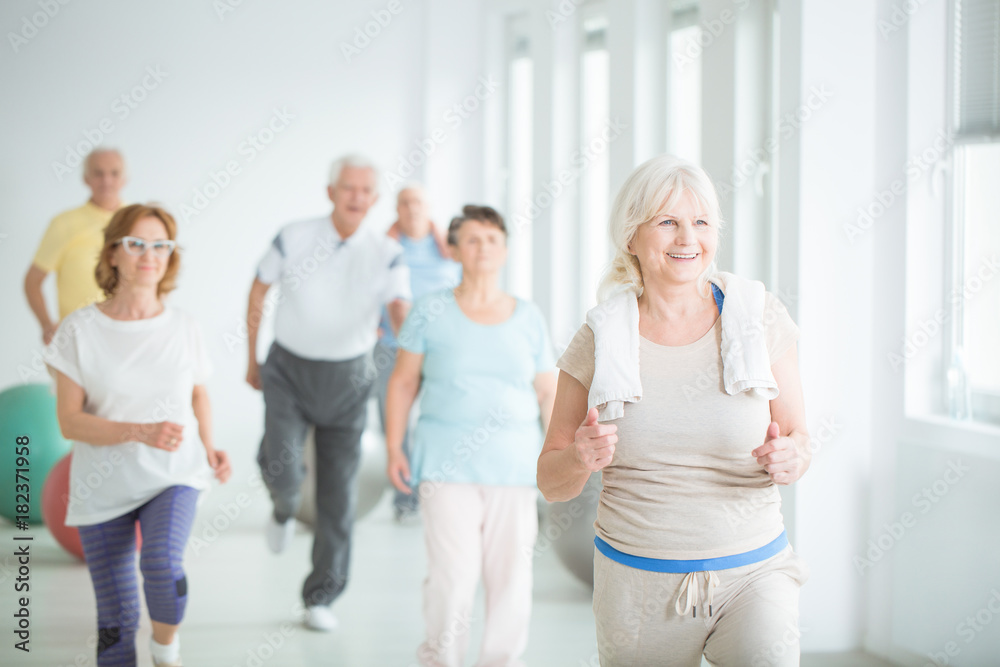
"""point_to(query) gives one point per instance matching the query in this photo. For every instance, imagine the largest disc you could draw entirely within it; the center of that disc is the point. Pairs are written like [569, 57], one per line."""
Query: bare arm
[255, 312]
[575, 444]
[202, 407]
[398, 309]
[36, 301]
[404, 384]
[787, 456]
[545, 389]
[76, 424]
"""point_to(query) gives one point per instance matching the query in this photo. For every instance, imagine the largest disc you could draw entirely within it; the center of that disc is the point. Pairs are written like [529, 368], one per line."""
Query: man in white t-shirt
[336, 275]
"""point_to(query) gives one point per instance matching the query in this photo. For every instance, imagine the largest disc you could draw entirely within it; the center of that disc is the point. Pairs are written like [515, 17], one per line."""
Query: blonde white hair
[652, 188]
[352, 160]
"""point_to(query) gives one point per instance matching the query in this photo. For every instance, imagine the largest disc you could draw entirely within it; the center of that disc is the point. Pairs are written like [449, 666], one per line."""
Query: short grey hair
[100, 150]
[650, 189]
[352, 160]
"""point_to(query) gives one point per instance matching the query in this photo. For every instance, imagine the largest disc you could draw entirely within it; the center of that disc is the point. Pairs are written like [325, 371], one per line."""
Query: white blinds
[977, 67]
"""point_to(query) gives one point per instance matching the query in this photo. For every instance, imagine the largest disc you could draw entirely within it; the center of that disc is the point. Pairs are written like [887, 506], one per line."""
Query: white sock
[167, 652]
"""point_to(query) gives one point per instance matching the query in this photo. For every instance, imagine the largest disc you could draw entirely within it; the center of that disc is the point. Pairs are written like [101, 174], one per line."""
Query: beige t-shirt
[682, 484]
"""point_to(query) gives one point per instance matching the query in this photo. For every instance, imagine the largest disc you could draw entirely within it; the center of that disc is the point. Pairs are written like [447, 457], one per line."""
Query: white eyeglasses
[137, 246]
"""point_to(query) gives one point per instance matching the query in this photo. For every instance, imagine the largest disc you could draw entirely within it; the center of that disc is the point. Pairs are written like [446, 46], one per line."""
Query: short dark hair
[484, 214]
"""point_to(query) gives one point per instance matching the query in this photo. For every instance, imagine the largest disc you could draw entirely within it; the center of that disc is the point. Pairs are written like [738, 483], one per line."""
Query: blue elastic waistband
[706, 564]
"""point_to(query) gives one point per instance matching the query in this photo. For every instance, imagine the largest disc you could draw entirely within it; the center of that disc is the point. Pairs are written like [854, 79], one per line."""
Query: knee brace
[108, 637]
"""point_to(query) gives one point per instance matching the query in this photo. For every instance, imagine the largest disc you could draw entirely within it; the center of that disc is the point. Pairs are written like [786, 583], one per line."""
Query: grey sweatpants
[753, 620]
[332, 396]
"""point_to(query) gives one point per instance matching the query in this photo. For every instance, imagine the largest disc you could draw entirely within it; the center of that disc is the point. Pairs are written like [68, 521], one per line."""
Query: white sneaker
[165, 655]
[175, 663]
[279, 535]
[320, 618]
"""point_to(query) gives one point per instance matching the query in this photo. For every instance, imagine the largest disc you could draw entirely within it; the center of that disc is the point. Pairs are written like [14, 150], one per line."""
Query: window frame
[984, 406]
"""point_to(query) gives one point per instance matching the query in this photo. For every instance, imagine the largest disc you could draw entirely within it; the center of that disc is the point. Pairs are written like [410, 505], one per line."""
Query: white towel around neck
[746, 365]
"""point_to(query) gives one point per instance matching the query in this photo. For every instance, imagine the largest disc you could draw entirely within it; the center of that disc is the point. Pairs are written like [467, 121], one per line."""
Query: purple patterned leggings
[165, 522]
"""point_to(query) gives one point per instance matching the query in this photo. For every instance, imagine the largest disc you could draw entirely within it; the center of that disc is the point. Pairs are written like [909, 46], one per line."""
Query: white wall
[224, 77]
[945, 601]
[837, 149]
[457, 96]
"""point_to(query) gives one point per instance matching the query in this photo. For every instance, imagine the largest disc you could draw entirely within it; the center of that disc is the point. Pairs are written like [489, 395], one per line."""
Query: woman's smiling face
[148, 268]
[676, 246]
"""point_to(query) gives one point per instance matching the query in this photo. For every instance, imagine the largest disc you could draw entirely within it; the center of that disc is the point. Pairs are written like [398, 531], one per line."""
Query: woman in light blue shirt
[483, 360]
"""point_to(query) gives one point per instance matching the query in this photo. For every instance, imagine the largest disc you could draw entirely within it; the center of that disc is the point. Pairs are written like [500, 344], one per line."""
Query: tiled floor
[242, 601]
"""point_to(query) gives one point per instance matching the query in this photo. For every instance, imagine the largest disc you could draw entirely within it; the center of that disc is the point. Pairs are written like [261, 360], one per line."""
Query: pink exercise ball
[55, 501]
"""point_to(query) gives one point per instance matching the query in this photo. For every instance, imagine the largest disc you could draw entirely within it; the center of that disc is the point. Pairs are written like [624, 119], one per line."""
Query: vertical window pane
[684, 94]
[519, 111]
[980, 289]
[594, 245]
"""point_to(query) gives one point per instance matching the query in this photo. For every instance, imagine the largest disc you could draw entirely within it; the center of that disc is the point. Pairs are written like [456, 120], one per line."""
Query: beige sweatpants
[753, 620]
[473, 529]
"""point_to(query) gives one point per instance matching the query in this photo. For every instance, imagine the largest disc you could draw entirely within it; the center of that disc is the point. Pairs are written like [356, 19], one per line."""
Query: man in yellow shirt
[73, 241]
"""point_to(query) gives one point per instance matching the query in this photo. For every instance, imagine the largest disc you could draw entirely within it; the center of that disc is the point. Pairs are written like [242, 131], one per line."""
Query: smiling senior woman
[130, 382]
[703, 415]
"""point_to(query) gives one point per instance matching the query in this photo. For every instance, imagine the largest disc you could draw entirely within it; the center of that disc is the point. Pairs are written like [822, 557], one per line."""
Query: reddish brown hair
[121, 226]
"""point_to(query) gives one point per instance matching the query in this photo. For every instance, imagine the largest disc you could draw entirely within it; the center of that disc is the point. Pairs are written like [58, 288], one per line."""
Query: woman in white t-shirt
[130, 377]
[694, 374]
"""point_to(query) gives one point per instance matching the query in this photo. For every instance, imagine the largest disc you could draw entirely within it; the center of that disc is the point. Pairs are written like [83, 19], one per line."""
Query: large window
[973, 372]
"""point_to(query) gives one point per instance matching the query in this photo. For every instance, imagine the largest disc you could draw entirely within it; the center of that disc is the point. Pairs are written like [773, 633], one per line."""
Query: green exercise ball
[27, 415]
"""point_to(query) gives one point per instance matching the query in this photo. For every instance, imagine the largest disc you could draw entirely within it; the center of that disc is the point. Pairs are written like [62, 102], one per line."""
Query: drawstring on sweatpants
[691, 593]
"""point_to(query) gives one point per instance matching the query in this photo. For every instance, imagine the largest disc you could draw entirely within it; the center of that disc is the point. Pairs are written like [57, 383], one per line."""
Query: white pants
[473, 529]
